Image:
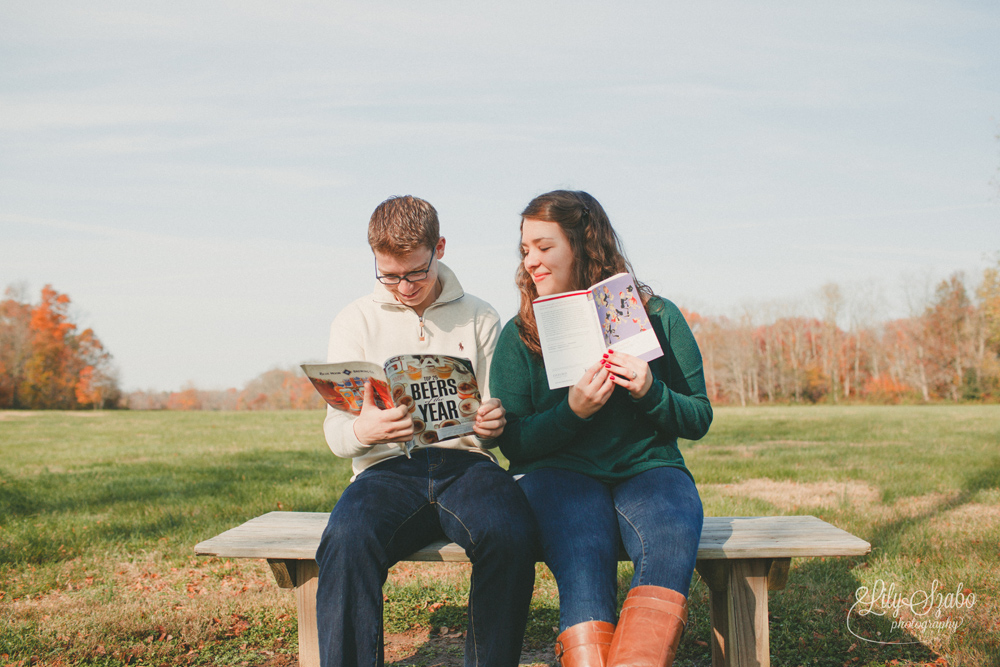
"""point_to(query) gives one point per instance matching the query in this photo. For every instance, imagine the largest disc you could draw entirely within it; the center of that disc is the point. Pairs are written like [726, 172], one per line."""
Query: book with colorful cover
[576, 328]
[440, 392]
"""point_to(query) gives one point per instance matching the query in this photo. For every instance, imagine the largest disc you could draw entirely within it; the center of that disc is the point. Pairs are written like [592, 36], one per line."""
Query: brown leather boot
[585, 644]
[649, 628]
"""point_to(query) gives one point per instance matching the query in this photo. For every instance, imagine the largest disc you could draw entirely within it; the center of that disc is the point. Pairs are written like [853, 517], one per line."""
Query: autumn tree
[15, 345]
[865, 309]
[832, 303]
[947, 333]
[45, 362]
[279, 389]
[729, 359]
[905, 360]
[146, 400]
[188, 398]
[987, 344]
[988, 294]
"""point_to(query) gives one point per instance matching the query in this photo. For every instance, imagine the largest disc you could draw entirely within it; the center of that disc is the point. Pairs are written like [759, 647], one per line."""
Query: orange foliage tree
[45, 363]
[188, 398]
[15, 347]
[279, 389]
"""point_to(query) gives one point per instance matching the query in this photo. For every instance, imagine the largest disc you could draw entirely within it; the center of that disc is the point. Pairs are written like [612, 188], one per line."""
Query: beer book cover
[440, 391]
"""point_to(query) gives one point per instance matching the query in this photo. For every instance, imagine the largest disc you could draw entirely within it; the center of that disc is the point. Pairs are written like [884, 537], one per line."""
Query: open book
[441, 392]
[576, 328]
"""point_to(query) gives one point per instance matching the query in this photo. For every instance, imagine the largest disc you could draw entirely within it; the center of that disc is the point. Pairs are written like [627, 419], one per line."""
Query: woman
[599, 460]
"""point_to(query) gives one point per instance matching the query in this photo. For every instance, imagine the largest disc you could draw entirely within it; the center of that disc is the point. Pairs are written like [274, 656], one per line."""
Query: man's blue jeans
[398, 506]
[657, 514]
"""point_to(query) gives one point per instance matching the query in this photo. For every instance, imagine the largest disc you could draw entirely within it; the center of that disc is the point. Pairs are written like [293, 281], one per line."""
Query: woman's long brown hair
[597, 251]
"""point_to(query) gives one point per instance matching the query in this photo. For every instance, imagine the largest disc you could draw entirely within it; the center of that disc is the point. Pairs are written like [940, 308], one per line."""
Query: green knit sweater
[626, 436]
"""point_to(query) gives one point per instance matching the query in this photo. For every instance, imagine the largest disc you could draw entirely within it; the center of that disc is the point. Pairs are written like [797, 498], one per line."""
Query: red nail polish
[611, 351]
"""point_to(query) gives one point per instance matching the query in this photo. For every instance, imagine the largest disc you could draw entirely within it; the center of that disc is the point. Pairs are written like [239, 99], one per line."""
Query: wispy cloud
[216, 163]
[797, 221]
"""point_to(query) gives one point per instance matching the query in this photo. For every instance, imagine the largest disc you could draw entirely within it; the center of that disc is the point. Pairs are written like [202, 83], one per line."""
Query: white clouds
[19, 116]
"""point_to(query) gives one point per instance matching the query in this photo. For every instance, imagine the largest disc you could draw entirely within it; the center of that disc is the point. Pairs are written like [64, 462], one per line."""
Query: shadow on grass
[447, 648]
[102, 487]
[881, 640]
[55, 516]
[809, 621]
[887, 535]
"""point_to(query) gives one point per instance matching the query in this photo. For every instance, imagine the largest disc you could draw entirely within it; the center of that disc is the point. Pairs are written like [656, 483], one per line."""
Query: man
[395, 505]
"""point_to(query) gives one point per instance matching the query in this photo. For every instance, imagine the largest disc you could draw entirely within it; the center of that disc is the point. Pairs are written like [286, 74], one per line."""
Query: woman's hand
[375, 426]
[490, 419]
[592, 391]
[630, 372]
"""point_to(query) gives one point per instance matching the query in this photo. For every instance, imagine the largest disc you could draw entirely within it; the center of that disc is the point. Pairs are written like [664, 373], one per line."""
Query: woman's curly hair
[597, 251]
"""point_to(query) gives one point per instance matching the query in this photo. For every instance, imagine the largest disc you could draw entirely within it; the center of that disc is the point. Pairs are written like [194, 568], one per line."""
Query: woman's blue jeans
[399, 506]
[656, 514]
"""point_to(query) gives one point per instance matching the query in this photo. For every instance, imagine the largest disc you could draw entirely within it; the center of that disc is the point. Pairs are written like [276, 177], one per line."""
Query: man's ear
[439, 248]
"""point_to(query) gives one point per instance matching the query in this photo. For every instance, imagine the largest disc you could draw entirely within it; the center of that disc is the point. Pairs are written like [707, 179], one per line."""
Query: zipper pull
[420, 330]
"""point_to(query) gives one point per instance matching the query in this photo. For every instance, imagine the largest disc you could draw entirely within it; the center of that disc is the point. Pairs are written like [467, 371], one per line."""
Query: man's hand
[375, 426]
[592, 391]
[490, 419]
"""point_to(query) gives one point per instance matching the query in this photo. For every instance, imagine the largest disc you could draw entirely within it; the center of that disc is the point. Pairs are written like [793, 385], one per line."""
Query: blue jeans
[656, 514]
[399, 506]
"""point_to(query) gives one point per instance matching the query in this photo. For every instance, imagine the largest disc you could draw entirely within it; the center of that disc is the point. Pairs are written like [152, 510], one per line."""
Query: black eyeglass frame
[410, 277]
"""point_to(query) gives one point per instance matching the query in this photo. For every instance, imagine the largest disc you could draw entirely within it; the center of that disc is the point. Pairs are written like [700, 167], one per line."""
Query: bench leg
[719, 611]
[749, 633]
[738, 597]
[305, 599]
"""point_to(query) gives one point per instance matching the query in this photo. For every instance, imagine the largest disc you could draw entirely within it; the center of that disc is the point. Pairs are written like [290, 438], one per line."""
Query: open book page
[342, 385]
[570, 335]
[624, 322]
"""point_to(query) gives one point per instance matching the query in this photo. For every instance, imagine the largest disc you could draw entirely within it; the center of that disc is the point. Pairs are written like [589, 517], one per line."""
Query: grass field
[99, 513]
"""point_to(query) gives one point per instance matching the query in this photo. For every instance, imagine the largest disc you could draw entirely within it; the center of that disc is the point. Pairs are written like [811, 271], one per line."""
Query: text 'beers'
[433, 389]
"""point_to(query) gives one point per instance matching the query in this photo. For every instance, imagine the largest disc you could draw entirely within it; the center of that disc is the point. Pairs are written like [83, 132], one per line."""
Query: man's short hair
[403, 224]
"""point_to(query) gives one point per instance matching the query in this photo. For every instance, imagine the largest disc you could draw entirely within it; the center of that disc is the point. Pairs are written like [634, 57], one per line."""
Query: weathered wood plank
[296, 535]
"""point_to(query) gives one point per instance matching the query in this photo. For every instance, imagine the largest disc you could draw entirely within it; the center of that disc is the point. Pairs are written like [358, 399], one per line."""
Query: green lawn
[99, 513]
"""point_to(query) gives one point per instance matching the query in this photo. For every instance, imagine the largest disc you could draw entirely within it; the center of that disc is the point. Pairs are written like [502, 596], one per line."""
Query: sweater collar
[451, 289]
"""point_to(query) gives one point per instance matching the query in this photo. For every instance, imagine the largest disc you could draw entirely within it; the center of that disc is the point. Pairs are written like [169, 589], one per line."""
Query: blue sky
[198, 176]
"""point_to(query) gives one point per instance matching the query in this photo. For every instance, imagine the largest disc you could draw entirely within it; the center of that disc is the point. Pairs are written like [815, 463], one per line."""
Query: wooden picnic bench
[739, 558]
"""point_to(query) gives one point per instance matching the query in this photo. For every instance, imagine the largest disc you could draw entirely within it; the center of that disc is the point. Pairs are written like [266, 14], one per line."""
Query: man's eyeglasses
[411, 277]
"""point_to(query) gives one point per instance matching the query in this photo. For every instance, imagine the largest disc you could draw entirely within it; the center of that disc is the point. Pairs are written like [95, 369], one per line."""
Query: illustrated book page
[576, 328]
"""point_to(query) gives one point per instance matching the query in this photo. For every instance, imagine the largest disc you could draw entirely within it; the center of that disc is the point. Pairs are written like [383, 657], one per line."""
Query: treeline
[948, 350]
[45, 362]
[276, 389]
